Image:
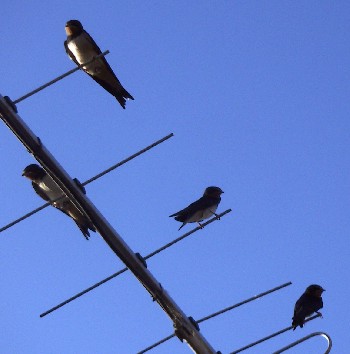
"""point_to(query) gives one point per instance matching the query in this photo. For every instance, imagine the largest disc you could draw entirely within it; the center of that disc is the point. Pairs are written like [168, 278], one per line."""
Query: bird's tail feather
[182, 226]
[122, 96]
[126, 94]
[84, 228]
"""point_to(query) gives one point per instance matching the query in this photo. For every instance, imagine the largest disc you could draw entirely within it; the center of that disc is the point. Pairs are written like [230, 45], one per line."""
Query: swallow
[308, 303]
[48, 190]
[201, 209]
[81, 48]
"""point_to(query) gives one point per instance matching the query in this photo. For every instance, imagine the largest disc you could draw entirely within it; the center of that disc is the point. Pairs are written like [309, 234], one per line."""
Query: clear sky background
[257, 96]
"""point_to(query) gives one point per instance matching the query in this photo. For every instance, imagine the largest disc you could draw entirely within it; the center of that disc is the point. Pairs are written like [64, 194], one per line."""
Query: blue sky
[257, 96]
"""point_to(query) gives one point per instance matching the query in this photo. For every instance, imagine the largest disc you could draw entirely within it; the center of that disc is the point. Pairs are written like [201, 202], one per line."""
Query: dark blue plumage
[308, 303]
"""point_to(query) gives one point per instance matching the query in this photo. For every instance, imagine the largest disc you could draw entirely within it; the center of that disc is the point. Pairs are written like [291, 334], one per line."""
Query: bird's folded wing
[40, 192]
[200, 204]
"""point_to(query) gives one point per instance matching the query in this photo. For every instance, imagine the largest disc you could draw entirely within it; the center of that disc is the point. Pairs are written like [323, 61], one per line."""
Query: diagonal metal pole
[58, 78]
[219, 313]
[271, 336]
[185, 329]
[125, 269]
[90, 180]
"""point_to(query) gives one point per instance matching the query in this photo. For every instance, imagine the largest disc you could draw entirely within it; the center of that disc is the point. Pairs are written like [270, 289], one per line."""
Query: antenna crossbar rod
[184, 328]
[271, 336]
[90, 180]
[96, 285]
[149, 147]
[59, 78]
[219, 313]
[245, 302]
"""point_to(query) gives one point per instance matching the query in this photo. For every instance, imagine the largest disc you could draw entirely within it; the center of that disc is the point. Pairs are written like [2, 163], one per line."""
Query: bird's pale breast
[83, 51]
[50, 188]
[202, 214]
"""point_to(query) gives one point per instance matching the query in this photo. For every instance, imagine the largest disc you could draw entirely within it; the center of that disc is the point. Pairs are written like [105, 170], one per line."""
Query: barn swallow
[307, 304]
[201, 209]
[48, 190]
[81, 48]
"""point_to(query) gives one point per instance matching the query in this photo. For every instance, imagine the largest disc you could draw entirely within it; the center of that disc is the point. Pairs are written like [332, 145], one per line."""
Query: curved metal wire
[272, 335]
[322, 334]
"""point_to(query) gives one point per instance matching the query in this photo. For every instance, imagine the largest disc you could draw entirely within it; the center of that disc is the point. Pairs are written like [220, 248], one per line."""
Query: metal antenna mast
[184, 328]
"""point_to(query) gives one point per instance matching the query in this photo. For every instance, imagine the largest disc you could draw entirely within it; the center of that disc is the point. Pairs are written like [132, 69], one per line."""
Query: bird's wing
[200, 204]
[318, 304]
[83, 228]
[107, 85]
[60, 208]
[105, 76]
[305, 307]
[297, 309]
[103, 83]
[100, 59]
[70, 54]
[43, 195]
[103, 59]
[40, 192]
[185, 210]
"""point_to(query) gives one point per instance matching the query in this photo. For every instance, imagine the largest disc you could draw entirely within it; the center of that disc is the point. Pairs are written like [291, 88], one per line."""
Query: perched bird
[201, 209]
[48, 190]
[307, 304]
[81, 48]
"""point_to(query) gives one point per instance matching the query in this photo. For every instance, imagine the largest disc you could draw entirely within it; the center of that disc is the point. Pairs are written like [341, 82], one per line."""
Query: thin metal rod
[90, 180]
[125, 269]
[24, 217]
[188, 234]
[219, 313]
[271, 336]
[59, 78]
[322, 334]
[128, 159]
[245, 301]
[156, 344]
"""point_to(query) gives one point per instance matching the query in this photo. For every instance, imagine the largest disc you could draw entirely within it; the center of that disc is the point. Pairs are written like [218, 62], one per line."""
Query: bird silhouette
[308, 303]
[201, 209]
